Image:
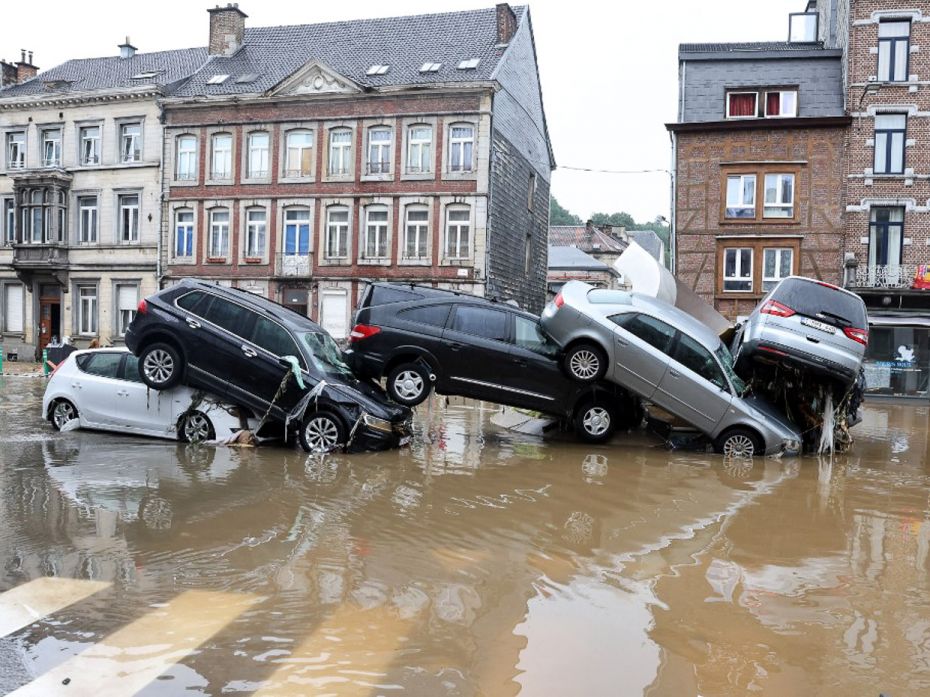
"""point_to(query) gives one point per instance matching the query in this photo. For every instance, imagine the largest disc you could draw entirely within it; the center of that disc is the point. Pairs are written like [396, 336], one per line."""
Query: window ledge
[256, 180]
[254, 260]
[460, 175]
[184, 182]
[335, 262]
[377, 177]
[339, 178]
[216, 260]
[182, 260]
[415, 262]
[731, 222]
[418, 176]
[297, 180]
[219, 182]
[374, 262]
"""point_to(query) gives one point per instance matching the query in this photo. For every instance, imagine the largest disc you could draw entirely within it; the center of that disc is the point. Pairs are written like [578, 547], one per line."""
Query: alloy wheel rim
[63, 413]
[585, 364]
[408, 384]
[196, 428]
[158, 366]
[322, 434]
[739, 446]
[596, 421]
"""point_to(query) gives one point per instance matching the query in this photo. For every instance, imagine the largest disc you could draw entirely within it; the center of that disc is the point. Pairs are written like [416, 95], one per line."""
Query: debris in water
[829, 424]
[71, 425]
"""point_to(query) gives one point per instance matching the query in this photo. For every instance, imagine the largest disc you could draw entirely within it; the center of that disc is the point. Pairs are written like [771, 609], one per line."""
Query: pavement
[21, 368]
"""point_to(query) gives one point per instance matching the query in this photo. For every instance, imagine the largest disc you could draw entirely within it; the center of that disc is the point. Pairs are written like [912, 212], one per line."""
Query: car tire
[409, 384]
[585, 362]
[739, 443]
[595, 422]
[160, 366]
[321, 432]
[196, 427]
[62, 412]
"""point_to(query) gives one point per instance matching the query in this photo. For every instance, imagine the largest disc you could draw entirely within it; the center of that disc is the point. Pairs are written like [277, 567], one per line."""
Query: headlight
[376, 423]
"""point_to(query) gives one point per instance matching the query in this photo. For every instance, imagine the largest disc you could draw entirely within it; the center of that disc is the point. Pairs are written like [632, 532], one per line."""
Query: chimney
[25, 70]
[227, 29]
[7, 73]
[506, 24]
[127, 50]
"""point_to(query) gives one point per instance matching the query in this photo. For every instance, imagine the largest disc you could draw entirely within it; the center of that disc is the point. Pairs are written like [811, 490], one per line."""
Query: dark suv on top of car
[422, 338]
[233, 343]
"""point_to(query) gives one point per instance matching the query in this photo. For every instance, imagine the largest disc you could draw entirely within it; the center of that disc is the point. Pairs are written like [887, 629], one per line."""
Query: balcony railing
[47, 255]
[899, 276]
[293, 265]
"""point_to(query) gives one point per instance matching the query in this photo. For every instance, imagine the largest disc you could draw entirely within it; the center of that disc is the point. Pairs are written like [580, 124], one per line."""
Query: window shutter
[14, 308]
[127, 298]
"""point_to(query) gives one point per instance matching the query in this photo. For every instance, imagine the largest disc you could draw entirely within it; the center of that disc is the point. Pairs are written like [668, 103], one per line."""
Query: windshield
[726, 360]
[325, 355]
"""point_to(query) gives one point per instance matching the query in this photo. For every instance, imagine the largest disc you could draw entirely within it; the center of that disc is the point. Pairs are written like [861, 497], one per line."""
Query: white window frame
[458, 143]
[91, 155]
[377, 234]
[130, 144]
[51, 145]
[258, 152]
[782, 114]
[299, 172]
[379, 152]
[9, 220]
[128, 213]
[188, 231]
[88, 309]
[7, 327]
[339, 229]
[741, 204]
[755, 113]
[124, 315]
[457, 226]
[419, 150]
[884, 68]
[218, 237]
[419, 229]
[256, 231]
[88, 219]
[18, 162]
[739, 277]
[780, 273]
[339, 152]
[299, 223]
[185, 167]
[778, 203]
[227, 157]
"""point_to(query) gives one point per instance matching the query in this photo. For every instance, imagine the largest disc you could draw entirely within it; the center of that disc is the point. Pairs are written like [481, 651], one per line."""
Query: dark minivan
[234, 344]
[421, 338]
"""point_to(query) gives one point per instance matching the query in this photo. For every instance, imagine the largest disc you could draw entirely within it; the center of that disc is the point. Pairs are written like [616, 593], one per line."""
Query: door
[334, 313]
[101, 401]
[144, 410]
[230, 357]
[694, 387]
[271, 342]
[476, 351]
[885, 244]
[642, 344]
[534, 374]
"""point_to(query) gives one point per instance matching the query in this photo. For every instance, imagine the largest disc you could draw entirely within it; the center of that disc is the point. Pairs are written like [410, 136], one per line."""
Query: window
[802, 27]
[87, 310]
[217, 79]
[196, 303]
[337, 233]
[297, 232]
[530, 336]
[531, 192]
[51, 147]
[781, 104]
[894, 40]
[127, 300]
[419, 149]
[87, 219]
[229, 316]
[654, 332]
[479, 321]
[129, 218]
[218, 244]
[299, 160]
[416, 233]
[130, 138]
[379, 151]
[274, 338]
[257, 166]
[462, 148]
[742, 105]
[433, 315]
[777, 263]
[13, 308]
[699, 360]
[105, 364]
[890, 133]
[183, 234]
[458, 244]
[340, 152]
[741, 196]
[779, 196]
[16, 150]
[376, 233]
[737, 269]
[90, 145]
[886, 235]
[256, 219]
[186, 158]
[221, 156]
[9, 221]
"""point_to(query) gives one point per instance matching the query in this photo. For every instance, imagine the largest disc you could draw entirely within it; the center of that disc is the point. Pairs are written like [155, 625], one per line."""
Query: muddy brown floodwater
[477, 562]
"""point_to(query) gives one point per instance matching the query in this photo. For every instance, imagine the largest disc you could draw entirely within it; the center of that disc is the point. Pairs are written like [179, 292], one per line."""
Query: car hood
[771, 413]
[370, 397]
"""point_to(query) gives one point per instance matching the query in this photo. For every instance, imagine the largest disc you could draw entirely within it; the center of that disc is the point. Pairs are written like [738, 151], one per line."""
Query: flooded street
[477, 562]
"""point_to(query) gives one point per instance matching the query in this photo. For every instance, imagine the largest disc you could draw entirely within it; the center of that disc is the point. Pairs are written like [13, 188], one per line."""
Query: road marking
[347, 655]
[33, 600]
[132, 657]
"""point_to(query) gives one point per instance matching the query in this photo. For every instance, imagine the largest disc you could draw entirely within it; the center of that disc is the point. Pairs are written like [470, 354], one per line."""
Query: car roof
[455, 296]
[257, 302]
[829, 286]
[677, 318]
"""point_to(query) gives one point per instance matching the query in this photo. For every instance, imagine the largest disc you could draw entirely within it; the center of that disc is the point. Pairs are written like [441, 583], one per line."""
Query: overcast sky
[608, 68]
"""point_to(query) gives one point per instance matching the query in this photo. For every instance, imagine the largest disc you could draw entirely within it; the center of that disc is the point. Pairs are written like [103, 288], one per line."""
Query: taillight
[362, 331]
[559, 301]
[859, 335]
[142, 308]
[773, 307]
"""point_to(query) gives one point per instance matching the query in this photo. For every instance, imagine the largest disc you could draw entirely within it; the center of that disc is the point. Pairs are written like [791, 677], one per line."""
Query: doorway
[49, 315]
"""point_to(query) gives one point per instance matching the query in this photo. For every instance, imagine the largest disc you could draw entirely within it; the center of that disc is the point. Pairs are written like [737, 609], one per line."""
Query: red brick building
[303, 161]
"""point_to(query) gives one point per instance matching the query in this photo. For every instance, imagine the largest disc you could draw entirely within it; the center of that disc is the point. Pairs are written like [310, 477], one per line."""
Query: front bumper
[371, 439]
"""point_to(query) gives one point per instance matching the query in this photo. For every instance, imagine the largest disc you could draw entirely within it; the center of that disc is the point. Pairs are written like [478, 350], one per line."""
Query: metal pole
[1, 359]
[45, 361]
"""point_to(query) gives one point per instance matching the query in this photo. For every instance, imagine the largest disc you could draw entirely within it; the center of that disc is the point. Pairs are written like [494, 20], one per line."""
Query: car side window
[654, 332]
[274, 338]
[480, 321]
[530, 336]
[105, 364]
[433, 315]
[229, 316]
[696, 358]
[131, 369]
[196, 303]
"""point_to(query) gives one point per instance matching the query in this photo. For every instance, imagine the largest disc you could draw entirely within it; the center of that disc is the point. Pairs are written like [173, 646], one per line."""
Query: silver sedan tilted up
[668, 358]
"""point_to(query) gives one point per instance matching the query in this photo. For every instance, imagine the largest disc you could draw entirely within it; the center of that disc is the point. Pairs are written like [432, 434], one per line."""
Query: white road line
[130, 658]
[33, 600]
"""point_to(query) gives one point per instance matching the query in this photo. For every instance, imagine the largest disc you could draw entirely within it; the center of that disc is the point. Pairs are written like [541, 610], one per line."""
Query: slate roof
[573, 259]
[786, 46]
[584, 239]
[113, 72]
[648, 240]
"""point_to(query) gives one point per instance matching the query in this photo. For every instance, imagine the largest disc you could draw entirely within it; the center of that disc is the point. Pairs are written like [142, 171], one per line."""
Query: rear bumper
[364, 365]
[760, 349]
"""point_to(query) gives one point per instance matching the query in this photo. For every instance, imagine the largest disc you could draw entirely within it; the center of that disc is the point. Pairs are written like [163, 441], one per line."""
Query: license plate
[828, 328]
[404, 441]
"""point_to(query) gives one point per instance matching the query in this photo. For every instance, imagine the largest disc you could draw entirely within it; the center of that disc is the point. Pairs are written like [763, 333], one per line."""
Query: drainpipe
[673, 217]
[163, 182]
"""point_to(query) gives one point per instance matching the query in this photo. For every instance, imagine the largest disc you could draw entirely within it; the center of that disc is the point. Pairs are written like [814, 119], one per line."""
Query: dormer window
[378, 69]
[764, 103]
[781, 103]
[742, 105]
[802, 27]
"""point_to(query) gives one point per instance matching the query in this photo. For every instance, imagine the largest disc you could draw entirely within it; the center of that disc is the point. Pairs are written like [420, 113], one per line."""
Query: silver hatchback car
[668, 358]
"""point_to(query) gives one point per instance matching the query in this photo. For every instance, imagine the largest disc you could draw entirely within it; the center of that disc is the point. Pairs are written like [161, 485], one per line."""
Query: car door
[230, 357]
[100, 401]
[271, 342]
[476, 351]
[642, 345]
[534, 376]
[200, 340]
[143, 410]
[694, 386]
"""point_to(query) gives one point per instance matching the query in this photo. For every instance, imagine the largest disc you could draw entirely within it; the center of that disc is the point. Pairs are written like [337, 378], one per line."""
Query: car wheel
[594, 423]
[196, 428]
[63, 411]
[409, 384]
[739, 443]
[160, 366]
[585, 363]
[321, 432]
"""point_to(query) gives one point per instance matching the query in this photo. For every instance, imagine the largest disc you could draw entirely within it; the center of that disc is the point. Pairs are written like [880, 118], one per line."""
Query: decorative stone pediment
[315, 78]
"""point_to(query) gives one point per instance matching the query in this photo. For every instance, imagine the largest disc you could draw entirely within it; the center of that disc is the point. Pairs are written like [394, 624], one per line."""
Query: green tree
[621, 219]
[561, 216]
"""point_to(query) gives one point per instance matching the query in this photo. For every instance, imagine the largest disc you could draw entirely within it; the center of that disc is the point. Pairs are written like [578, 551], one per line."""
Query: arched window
[376, 232]
[255, 226]
[221, 156]
[296, 232]
[458, 232]
[340, 151]
[186, 159]
[299, 157]
[337, 233]
[420, 149]
[416, 232]
[184, 233]
[379, 150]
[218, 243]
[257, 165]
[462, 147]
